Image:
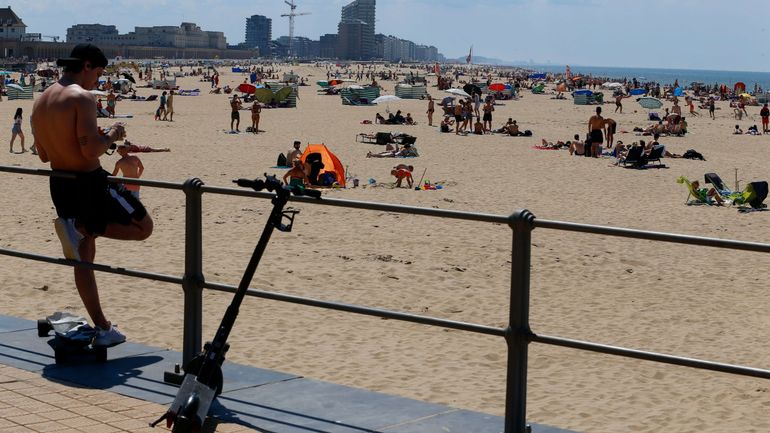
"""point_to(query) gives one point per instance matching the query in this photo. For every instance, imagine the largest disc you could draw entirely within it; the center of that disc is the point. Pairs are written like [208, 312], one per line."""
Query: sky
[687, 34]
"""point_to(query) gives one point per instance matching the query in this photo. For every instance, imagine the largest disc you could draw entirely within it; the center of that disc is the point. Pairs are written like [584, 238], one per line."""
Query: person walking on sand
[87, 205]
[712, 107]
[131, 166]
[162, 108]
[595, 127]
[235, 116]
[764, 113]
[111, 102]
[169, 106]
[431, 109]
[256, 109]
[16, 130]
[619, 102]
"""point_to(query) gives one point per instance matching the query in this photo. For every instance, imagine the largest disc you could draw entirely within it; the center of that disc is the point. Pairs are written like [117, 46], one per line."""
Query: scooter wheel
[43, 327]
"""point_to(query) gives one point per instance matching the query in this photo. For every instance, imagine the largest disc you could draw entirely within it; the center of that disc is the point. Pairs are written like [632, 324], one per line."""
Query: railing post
[518, 333]
[193, 270]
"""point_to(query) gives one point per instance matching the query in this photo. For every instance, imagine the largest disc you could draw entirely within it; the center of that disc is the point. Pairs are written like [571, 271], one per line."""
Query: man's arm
[141, 168]
[116, 169]
[92, 143]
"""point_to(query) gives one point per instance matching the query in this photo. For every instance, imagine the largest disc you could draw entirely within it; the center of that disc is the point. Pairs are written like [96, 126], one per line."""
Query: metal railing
[517, 334]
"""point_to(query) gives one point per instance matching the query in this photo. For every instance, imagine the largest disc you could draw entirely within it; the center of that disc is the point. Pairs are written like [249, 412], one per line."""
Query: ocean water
[666, 76]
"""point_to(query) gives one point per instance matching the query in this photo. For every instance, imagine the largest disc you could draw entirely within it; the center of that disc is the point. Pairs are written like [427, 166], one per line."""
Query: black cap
[83, 52]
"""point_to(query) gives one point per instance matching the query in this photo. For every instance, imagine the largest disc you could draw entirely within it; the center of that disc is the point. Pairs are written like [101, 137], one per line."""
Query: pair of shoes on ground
[108, 337]
[69, 236]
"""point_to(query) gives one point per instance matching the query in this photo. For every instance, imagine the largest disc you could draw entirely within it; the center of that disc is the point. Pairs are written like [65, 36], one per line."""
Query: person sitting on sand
[577, 146]
[737, 130]
[753, 130]
[446, 124]
[513, 129]
[402, 172]
[504, 129]
[478, 127]
[296, 175]
[379, 119]
[408, 120]
[654, 144]
[398, 119]
[295, 152]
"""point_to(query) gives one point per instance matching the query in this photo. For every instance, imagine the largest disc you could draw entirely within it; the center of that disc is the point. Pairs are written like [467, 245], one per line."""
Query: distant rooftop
[9, 17]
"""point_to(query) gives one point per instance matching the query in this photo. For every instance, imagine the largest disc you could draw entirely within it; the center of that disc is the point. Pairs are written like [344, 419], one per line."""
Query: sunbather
[137, 148]
[706, 195]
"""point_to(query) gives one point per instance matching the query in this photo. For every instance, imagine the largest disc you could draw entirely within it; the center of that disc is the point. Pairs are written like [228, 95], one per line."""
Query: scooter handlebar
[271, 183]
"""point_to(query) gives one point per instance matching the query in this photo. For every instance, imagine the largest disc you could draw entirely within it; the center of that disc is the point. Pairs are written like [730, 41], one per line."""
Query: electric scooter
[203, 374]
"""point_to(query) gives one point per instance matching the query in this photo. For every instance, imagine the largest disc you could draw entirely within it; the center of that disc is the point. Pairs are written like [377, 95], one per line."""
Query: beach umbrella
[386, 98]
[335, 82]
[17, 87]
[128, 77]
[246, 88]
[611, 85]
[470, 89]
[458, 92]
[356, 87]
[497, 87]
[322, 83]
[283, 93]
[649, 102]
[263, 95]
[638, 92]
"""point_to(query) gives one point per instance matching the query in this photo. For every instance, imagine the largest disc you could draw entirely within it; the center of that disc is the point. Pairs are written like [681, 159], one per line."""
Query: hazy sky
[698, 34]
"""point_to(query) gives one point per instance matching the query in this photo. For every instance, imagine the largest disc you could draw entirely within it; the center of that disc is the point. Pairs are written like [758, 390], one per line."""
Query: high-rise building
[259, 33]
[328, 46]
[355, 33]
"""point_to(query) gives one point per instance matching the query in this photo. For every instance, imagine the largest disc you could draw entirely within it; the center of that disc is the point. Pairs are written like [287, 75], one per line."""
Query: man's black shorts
[234, 115]
[94, 202]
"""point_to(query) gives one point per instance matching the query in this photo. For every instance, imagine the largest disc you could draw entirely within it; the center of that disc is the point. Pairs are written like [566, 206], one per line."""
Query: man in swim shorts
[67, 136]
[235, 116]
[595, 127]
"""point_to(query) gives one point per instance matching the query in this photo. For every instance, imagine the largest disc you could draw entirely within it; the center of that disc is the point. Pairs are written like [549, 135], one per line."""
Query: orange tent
[331, 164]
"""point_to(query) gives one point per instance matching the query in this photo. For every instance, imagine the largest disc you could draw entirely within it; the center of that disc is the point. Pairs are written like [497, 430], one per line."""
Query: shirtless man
[67, 136]
[595, 127]
[235, 116]
[131, 166]
[295, 153]
[256, 109]
[296, 175]
[610, 126]
[169, 107]
[619, 102]
[431, 109]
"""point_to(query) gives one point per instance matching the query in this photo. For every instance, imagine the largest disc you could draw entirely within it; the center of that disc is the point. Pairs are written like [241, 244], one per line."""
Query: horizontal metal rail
[368, 311]
[652, 356]
[94, 266]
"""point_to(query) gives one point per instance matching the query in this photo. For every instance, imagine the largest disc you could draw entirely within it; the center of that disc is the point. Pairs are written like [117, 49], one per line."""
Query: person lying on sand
[407, 151]
[137, 148]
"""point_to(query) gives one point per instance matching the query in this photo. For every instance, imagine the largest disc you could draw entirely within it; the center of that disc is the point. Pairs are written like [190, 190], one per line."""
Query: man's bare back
[65, 129]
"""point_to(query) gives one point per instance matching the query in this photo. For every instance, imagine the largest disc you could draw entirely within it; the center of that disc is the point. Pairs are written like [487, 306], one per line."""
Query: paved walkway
[126, 393]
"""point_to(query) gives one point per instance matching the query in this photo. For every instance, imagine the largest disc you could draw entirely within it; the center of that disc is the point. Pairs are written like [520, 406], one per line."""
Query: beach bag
[527, 133]
[653, 116]
[327, 179]
[693, 154]
[282, 160]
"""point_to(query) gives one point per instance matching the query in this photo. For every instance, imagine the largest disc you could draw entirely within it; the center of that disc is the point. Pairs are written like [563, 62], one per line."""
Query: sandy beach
[696, 302]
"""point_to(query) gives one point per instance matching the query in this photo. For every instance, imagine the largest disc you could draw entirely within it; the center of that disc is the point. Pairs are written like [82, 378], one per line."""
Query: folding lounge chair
[408, 139]
[383, 138]
[754, 195]
[655, 155]
[718, 184]
[366, 138]
[633, 157]
[696, 195]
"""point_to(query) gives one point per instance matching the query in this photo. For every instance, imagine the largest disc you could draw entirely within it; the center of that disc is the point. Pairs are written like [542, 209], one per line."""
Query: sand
[698, 302]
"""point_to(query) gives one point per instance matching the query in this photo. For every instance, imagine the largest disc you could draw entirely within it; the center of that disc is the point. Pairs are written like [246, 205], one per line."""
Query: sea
[666, 76]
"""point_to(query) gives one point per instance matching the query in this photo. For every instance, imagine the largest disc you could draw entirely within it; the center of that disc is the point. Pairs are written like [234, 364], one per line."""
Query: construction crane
[291, 16]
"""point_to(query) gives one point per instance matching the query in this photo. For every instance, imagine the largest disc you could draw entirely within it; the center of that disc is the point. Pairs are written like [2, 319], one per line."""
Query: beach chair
[655, 155]
[633, 157]
[383, 138]
[718, 184]
[366, 138]
[408, 139]
[753, 195]
[699, 196]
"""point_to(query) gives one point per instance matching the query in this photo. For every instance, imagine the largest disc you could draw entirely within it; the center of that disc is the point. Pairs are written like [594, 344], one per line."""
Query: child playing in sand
[401, 172]
[131, 166]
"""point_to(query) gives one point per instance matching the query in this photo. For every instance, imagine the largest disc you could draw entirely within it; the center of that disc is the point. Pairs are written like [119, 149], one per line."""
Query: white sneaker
[69, 236]
[108, 338]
